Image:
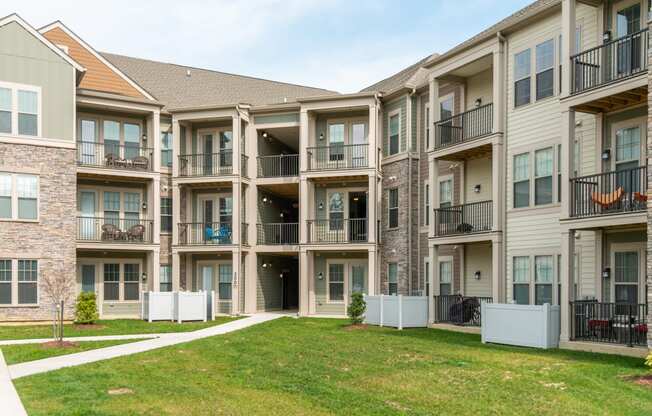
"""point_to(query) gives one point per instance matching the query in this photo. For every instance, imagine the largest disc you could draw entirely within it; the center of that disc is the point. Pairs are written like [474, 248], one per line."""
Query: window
[112, 208]
[131, 282]
[165, 278]
[336, 141]
[626, 277]
[111, 281]
[426, 117]
[111, 130]
[521, 278]
[336, 211]
[628, 148]
[18, 196]
[559, 171]
[543, 271]
[393, 208]
[521, 180]
[445, 278]
[522, 78]
[392, 278]
[426, 275]
[394, 133]
[5, 282]
[543, 169]
[166, 215]
[166, 149]
[27, 282]
[131, 209]
[446, 129]
[446, 107]
[545, 56]
[446, 193]
[20, 110]
[426, 204]
[336, 282]
[225, 277]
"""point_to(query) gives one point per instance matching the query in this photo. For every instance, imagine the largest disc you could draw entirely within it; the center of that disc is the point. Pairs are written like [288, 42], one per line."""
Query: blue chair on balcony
[223, 235]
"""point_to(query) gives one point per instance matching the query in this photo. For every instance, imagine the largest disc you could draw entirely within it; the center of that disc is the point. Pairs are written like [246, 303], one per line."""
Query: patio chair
[140, 162]
[224, 234]
[608, 200]
[640, 197]
[464, 228]
[136, 232]
[110, 159]
[111, 232]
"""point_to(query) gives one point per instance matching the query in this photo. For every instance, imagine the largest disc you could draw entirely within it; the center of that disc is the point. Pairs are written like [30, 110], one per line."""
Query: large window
[166, 215]
[166, 149]
[111, 281]
[543, 276]
[521, 180]
[225, 277]
[131, 281]
[394, 133]
[626, 277]
[165, 278]
[543, 170]
[336, 282]
[426, 127]
[426, 203]
[446, 193]
[445, 278]
[392, 205]
[132, 209]
[336, 211]
[27, 282]
[521, 280]
[545, 67]
[5, 282]
[20, 110]
[392, 278]
[112, 208]
[522, 77]
[336, 141]
[18, 196]
[628, 148]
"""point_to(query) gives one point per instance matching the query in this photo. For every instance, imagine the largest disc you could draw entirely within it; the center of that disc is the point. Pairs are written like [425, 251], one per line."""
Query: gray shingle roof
[171, 85]
[397, 80]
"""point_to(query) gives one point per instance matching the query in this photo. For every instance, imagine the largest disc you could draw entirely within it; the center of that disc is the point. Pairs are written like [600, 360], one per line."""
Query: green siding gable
[399, 103]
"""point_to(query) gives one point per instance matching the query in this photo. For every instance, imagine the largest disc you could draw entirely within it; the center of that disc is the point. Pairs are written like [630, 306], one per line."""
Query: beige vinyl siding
[26, 60]
[399, 103]
[269, 295]
[477, 257]
[480, 86]
[477, 172]
[413, 124]
[120, 310]
[588, 277]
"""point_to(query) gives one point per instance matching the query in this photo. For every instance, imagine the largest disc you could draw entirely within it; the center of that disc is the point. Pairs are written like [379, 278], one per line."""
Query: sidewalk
[11, 404]
[162, 340]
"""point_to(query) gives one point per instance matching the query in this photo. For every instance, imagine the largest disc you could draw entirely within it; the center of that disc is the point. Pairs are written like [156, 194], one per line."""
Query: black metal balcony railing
[475, 217]
[205, 233]
[115, 230]
[244, 165]
[206, 164]
[609, 193]
[349, 156]
[244, 233]
[613, 323]
[352, 230]
[464, 126]
[278, 233]
[459, 310]
[609, 62]
[114, 156]
[276, 166]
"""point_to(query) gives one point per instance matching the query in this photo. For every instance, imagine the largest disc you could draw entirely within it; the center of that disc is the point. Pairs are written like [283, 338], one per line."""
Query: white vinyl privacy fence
[523, 325]
[177, 306]
[397, 311]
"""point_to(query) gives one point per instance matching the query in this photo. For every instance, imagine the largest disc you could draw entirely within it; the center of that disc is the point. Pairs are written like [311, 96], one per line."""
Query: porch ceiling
[284, 190]
[326, 180]
[615, 102]
[479, 152]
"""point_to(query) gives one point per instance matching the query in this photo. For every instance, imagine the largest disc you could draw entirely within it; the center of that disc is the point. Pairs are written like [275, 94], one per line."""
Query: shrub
[86, 308]
[648, 360]
[356, 308]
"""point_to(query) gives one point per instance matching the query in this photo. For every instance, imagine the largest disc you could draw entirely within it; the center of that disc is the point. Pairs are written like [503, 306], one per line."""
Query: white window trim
[345, 285]
[348, 125]
[398, 207]
[641, 123]
[426, 274]
[428, 126]
[640, 285]
[99, 270]
[161, 198]
[14, 283]
[14, 198]
[624, 5]
[14, 87]
[215, 278]
[426, 204]
[215, 132]
[215, 197]
[530, 151]
[554, 67]
[449, 96]
[397, 273]
[533, 71]
[99, 199]
[396, 112]
[554, 253]
[445, 178]
[445, 259]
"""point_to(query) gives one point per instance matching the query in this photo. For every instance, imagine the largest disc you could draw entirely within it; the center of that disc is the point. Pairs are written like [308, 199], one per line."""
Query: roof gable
[101, 75]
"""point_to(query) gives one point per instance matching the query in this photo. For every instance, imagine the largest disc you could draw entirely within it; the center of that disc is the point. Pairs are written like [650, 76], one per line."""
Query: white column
[176, 212]
[371, 208]
[154, 207]
[251, 283]
[462, 289]
[434, 109]
[434, 280]
[497, 185]
[599, 261]
[304, 283]
[236, 124]
[567, 250]
[568, 25]
[499, 88]
[176, 270]
[372, 272]
[373, 139]
[154, 139]
[304, 140]
[252, 213]
[306, 207]
[567, 156]
[176, 146]
[236, 282]
[154, 272]
[433, 175]
[237, 212]
[497, 271]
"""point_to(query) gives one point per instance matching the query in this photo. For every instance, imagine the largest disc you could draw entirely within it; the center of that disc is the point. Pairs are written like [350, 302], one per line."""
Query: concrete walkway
[81, 339]
[162, 340]
[11, 404]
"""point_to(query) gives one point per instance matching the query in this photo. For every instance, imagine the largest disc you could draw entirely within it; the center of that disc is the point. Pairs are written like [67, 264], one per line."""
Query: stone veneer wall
[51, 240]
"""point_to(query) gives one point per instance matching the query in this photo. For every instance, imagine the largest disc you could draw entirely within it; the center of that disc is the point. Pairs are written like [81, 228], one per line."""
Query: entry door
[226, 151]
[357, 278]
[207, 150]
[88, 225]
[628, 22]
[626, 277]
[207, 285]
[88, 278]
[89, 147]
[358, 216]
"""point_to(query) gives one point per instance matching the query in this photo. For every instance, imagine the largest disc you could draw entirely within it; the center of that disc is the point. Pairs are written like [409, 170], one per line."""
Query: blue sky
[335, 44]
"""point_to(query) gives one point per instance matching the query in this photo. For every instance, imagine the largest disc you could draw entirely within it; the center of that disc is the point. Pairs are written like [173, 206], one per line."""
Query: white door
[207, 285]
[88, 224]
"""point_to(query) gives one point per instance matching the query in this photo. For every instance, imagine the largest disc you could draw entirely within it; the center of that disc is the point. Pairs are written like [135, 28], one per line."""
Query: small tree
[356, 308]
[86, 308]
[58, 286]
[648, 360]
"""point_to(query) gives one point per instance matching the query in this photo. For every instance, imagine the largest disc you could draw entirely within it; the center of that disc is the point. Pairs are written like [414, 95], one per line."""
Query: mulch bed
[84, 327]
[59, 344]
[355, 327]
[643, 381]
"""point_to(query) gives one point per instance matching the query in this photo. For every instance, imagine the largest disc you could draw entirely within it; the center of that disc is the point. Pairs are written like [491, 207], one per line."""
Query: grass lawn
[107, 327]
[15, 354]
[316, 367]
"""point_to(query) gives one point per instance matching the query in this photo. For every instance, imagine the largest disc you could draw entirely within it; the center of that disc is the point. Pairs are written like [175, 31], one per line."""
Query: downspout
[503, 220]
[410, 216]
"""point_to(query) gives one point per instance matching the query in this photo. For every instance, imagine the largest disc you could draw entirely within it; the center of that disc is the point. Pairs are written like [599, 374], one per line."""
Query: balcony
[278, 234]
[278, 166]
[114, 156]
[476, 217]
[613, 61]
[115, 230]
[206, 164]
[464, 127]
[459, 310]
[331, 231]
[335, 157]
[609, 193]
[613, 323]
[200, 233]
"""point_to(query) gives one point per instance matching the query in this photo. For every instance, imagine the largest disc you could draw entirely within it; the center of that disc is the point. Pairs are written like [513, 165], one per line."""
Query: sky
[339, 45]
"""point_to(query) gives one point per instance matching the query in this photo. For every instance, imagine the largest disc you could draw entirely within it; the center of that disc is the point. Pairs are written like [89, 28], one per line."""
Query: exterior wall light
[143, 277]
[320, 276]
[477, 188]
[477, 275]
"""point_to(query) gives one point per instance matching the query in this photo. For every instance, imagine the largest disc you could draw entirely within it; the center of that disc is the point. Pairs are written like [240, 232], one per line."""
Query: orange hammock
[640, 197]
[606, 200]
